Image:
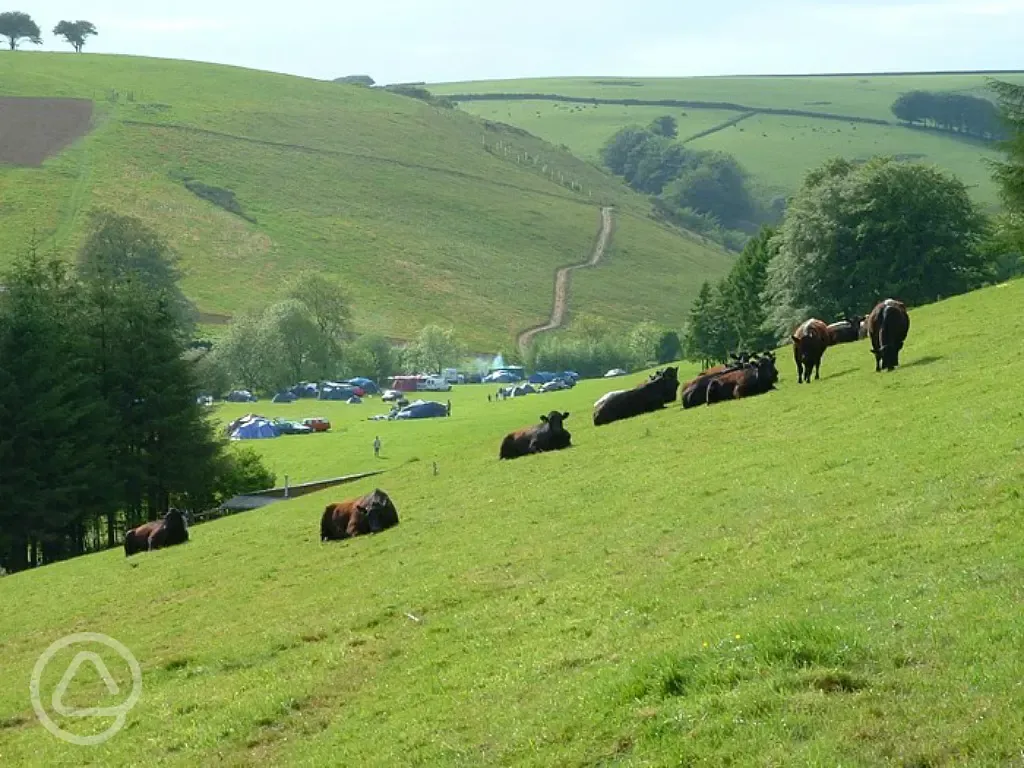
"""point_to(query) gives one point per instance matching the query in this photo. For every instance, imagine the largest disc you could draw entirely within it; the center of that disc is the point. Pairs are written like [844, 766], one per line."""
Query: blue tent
[255, 429]
[336, 392]
[306, 389]
[500, 378]
[284, 397]
[368, 386]
[423, 410]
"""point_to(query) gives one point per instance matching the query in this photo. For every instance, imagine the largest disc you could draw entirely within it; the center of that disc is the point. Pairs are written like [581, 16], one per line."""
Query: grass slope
[777, 149]
[827, 574]
[403, 199]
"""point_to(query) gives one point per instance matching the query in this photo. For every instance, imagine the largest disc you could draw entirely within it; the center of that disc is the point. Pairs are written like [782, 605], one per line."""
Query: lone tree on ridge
[75, 33]
[17, 26]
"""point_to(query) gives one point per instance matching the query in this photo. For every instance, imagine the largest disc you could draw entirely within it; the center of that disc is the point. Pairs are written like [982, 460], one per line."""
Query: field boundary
[719, 127]
[356, 155]
[561, 301]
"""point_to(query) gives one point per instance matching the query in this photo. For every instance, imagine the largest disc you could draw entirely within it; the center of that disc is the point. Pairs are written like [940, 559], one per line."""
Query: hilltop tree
[853, 235]
[17, 26]
[75, 33]
[666, 126]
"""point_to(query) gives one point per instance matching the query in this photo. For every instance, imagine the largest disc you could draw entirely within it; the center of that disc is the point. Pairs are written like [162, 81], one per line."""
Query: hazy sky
[440, 40]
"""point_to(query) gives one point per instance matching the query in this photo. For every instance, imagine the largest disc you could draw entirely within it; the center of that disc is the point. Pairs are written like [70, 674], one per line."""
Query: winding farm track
[562, 276]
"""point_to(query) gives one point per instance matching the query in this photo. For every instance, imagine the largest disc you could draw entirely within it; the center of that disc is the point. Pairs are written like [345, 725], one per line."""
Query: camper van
[451, 375]
[428, 383]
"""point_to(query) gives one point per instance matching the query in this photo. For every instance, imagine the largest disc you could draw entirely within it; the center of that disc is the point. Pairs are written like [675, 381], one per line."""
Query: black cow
[549, 435]
[888, 326]
[659, 390]
[695, 392]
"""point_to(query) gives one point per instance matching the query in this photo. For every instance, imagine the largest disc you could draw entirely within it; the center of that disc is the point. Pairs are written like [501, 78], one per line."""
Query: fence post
[286, 486]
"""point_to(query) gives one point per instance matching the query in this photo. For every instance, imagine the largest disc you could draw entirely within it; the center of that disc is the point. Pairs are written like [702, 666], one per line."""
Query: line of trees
[950, 111]
[858, 232]
[17, 26]
[591, 348]
[705, 191]
[102, 431]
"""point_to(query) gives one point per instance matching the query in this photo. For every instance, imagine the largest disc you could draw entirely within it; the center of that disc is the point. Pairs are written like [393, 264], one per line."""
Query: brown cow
[549, 435]
[888, 326]
[810, 341]
[168, 532]
[695, 392]
[753, 378]
[371, 513]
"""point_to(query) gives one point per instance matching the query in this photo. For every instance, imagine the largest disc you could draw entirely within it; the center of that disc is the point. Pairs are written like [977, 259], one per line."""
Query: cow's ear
[544, 419]
[565, 416]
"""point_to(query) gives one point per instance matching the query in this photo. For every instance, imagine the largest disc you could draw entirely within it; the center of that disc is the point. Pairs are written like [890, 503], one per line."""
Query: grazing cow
[888, 326]
[754, 378]
[659, 390]
[549, 435]
[371, 513]
[169, 531]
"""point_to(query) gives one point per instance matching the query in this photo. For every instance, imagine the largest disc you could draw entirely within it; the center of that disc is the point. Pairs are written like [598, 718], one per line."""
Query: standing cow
[168, 532]
[659, 390]
[549, 435]
[888, 326]
[371, 513]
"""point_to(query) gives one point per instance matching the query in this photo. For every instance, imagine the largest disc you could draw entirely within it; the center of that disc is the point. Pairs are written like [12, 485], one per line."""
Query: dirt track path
[560, 306]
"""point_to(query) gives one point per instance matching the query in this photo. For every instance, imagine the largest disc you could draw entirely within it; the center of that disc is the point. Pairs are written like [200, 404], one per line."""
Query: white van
[428, 383]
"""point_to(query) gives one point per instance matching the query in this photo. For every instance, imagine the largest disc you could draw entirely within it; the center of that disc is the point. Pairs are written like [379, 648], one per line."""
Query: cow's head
[176, 520]
[555, 419]
[378, 511]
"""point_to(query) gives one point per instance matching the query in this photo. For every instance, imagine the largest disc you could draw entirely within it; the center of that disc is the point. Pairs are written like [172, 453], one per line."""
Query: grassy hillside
[827, 574]
[777, 149]
[430, 214]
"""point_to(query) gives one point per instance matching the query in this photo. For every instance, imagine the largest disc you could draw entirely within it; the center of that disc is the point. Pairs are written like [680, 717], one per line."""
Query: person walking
[449, 408]
[376, 447]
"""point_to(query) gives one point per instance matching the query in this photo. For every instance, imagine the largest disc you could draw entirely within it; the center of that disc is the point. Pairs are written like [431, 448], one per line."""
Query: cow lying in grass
[168, 532]
[549, 435]
[695, 392]
[753, 378]
[371, 513]
[655, 393]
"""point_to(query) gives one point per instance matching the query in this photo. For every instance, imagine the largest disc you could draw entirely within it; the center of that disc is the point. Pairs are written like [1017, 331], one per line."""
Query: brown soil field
[32, 130]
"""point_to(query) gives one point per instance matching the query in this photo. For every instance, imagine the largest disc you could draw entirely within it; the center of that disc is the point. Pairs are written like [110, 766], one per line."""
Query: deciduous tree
[17, 26]
[75, 33]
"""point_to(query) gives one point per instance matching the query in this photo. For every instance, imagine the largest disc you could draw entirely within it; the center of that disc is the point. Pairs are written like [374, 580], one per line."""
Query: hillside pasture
[824, 574]
[32, 130]
[428, 214]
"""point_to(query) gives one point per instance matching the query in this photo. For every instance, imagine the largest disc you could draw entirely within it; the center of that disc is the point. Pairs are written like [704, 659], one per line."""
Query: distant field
[829, 574]
[777, 149]
[429, 215]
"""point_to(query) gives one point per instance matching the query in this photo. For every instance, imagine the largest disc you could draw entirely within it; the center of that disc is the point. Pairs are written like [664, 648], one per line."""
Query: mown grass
[777, 150]
[427, 213]
[828, 574]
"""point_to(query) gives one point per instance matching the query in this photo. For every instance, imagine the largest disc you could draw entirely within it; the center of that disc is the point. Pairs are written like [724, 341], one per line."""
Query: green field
[428, 214]
[828, 574]
[778, 150]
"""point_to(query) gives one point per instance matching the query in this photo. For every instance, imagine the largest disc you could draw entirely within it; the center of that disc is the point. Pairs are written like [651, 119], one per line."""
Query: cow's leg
[817, 369]
[799, 366]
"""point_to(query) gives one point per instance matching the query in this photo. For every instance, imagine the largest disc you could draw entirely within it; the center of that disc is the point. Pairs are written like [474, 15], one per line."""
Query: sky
[453, 40]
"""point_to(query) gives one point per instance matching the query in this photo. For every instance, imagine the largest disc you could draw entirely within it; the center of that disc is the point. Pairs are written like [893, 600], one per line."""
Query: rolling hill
[777, 127]
[826, 574]
[429, 214]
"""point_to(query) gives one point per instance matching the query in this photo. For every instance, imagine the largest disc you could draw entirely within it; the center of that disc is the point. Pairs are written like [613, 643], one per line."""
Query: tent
[284, 397]
[240, 396]
[522, 390]
[332, 391]
[500, 378]
[354, 400]
[254, 428]
[421, 409]
[541, 377]
[305, 389]
[368, 386]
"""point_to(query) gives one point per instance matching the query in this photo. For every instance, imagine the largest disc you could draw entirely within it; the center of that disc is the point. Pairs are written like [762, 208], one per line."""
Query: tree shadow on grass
[840, 374]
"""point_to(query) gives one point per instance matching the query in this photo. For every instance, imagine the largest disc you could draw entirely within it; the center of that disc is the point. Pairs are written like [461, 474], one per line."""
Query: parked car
[286, 427]
[615, 372]
[317, 424]
[433, 384]
[391, 394]
[554, 386]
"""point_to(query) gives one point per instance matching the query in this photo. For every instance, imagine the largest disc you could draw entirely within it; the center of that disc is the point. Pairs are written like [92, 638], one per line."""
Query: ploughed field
[829, 573]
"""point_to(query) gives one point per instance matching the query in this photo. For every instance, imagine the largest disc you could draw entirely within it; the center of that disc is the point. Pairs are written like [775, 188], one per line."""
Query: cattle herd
[746, 375]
